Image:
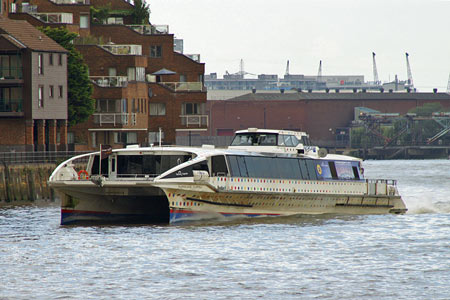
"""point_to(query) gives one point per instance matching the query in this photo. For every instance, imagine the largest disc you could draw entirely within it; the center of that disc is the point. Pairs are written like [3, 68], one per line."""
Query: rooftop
[28, 36]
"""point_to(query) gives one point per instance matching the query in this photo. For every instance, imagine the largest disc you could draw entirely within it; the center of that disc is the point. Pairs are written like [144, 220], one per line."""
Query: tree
[141, 12]
[81, 105]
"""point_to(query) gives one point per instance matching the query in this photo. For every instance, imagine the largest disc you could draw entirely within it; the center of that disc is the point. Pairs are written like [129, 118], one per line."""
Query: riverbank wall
[25, 183]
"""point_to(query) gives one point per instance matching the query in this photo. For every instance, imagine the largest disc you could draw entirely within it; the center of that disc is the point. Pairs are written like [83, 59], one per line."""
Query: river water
[301, 257]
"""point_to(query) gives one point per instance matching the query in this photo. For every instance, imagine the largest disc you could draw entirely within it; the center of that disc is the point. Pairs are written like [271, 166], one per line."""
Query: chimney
[381, 90]
[253, 90]
[282, 91]
[435, 90]
[355, 90]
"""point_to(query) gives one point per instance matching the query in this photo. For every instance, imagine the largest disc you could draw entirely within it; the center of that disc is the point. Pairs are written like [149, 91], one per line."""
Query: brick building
[33, 89]
[319, 114]
[141, 85]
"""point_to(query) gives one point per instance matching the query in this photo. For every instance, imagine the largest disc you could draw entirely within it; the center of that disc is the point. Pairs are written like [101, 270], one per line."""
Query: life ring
[86, 175]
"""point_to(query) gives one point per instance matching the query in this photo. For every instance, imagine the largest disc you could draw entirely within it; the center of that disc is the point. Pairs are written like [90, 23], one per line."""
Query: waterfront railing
[17, 158]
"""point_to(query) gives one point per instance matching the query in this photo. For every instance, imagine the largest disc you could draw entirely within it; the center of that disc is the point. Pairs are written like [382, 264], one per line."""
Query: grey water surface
[300, 257]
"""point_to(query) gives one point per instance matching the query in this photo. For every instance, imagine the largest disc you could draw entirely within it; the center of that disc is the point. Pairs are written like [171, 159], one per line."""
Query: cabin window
[153, 165]
[234, 167]
[96, 166]
[219, 166]
[311, 169]
[255, 139]
[187, 171]
[286, 140]
[344, 170]
[242, 166]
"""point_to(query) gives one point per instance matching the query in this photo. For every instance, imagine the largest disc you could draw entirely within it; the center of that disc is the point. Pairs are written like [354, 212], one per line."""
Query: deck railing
[123, 49]
[150, 29]
[85, 2]
[115, 118]
[11, 105]
[194, 120]
[63, 18]
[37, 157]
[11, 73]
[109, 81]
[184, 86]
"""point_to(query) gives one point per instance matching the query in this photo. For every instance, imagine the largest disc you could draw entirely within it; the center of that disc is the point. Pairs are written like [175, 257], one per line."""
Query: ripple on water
[306, 257]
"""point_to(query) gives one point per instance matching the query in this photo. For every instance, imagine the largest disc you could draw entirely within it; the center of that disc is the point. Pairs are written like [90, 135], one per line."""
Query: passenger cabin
[278, 141]
[236, 164]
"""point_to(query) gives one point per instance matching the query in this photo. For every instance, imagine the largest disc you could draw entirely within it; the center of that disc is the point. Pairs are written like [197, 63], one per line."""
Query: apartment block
[33, 89]
[143, 88]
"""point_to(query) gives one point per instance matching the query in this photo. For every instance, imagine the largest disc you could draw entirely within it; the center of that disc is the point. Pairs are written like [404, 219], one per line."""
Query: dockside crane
[376, 81]
[287, 69]
[242, 71]
[408, 68]
[319, 73]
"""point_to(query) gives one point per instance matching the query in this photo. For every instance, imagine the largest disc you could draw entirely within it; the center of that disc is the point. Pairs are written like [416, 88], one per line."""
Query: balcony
[150, 29]
[115, 118]
[11, 73]
[11, 107]
[123, 49]
[109, 81]
[184, 86]
[84, 2]
[60, 18]
[194, 120]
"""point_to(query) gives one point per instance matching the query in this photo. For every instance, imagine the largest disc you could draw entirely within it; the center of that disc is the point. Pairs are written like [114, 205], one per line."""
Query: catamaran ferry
[263, 173]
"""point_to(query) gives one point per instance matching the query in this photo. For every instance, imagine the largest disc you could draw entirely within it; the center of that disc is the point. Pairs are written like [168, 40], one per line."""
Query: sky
[341, 33]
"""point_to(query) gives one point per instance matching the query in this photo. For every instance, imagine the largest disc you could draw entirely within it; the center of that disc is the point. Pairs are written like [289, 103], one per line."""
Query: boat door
[112, 166]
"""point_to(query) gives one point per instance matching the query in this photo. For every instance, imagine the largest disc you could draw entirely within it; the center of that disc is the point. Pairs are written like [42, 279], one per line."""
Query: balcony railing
[115, 118]
[63, 18]
[10, 73]
[86, 2]
[150, 29]
[11, 105]
[123, 49]
[184, 86]
[109, 81]
[194, 120]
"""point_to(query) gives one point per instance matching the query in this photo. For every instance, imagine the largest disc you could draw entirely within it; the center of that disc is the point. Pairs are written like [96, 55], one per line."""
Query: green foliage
[81, 104]
[427, 109]
[141, 12]
[100, 15]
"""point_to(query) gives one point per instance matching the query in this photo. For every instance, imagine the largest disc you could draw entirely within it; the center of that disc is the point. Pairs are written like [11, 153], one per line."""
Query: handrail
[184, 86]
[197, 120]
[123, 49]
[109, 81]
[63, 18]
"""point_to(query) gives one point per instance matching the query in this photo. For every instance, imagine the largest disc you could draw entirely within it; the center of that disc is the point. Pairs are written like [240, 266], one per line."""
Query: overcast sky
[341, 33]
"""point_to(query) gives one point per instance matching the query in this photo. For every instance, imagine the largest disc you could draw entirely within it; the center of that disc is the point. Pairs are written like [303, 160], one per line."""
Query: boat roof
[209, 150]
[276, 131]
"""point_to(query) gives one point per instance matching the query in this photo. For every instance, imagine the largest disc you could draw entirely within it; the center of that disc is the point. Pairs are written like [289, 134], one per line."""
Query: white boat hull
[186, 205]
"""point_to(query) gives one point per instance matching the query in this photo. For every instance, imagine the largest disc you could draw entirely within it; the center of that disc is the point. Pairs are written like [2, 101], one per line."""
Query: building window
[50, 91]
[192, 108]
[84, 21]
[108, 106]
[70, 138]
[50, 59]
[153, 137]
[60, 88]
[157, 109]
[155, 51]
[182, 78]
[40, 64]
[131, 74]
[60, 59]
[40, 96]
[125, 137]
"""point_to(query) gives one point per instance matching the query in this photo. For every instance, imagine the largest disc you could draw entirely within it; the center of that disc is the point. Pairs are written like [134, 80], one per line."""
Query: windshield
[254, 139]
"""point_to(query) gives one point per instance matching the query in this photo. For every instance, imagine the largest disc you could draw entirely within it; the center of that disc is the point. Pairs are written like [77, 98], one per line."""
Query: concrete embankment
[21, 184]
